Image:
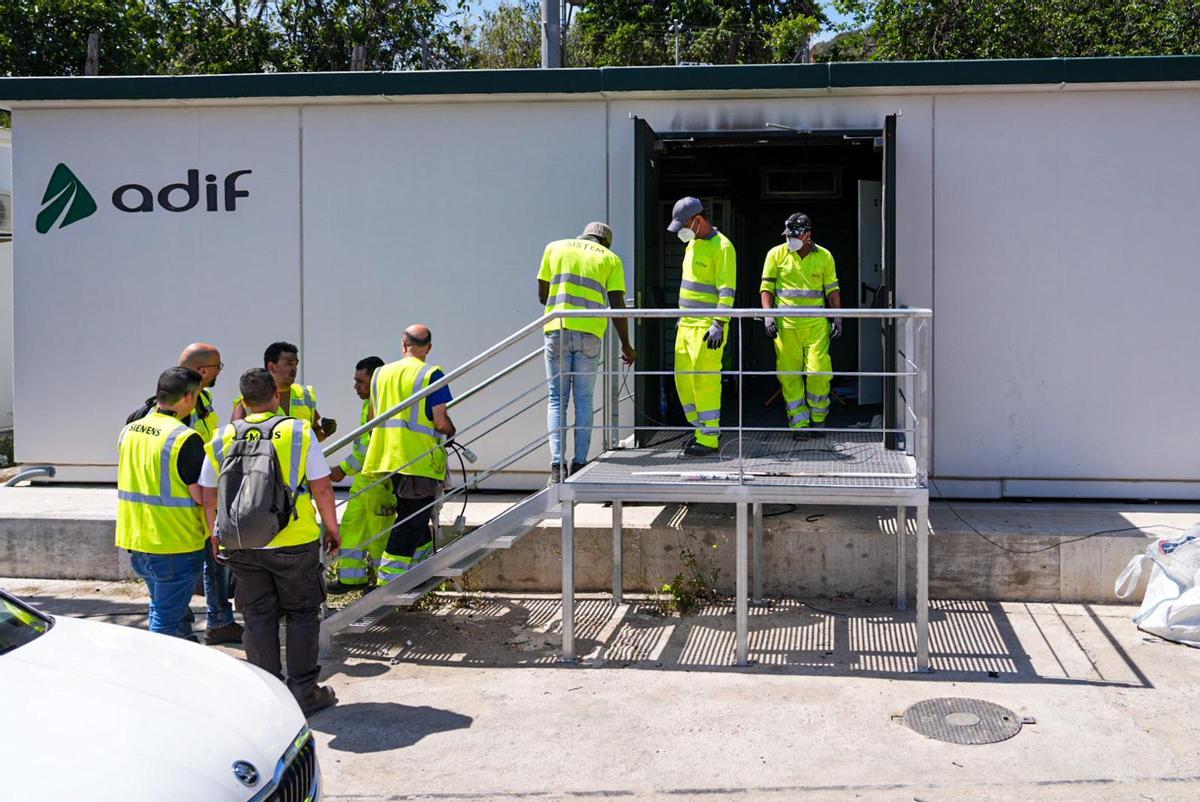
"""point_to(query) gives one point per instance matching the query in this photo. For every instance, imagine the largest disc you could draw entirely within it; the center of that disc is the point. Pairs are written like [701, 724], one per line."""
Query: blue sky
[834, 17]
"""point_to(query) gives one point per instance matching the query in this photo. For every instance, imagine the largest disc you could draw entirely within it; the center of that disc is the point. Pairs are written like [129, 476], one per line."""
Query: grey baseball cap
[600, 231]
[685, 209]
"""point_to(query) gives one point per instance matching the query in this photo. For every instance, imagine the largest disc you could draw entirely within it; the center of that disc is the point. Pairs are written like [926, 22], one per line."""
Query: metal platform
[749, 470]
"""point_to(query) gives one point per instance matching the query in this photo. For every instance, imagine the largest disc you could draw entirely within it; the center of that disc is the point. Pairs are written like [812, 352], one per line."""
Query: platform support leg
[923, 587]
[568, 582]
[617, 553]
[901, 558]
[743, 582]
[759, 560]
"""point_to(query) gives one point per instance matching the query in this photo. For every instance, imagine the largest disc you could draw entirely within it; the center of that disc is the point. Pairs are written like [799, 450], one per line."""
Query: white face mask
[795, 243]
[686, 235]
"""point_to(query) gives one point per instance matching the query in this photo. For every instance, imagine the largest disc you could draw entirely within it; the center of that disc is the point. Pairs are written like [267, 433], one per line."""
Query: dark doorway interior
[751, 183]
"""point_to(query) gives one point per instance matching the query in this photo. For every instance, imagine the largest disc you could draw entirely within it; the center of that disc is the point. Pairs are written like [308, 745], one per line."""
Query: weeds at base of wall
[694, 585]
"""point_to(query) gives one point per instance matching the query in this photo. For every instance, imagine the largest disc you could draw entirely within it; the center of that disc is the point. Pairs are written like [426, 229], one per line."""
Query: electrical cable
[1058, 545]
[458, 452]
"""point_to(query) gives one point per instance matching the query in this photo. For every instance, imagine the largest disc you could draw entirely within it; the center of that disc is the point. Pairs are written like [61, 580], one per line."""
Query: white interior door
[870, 276]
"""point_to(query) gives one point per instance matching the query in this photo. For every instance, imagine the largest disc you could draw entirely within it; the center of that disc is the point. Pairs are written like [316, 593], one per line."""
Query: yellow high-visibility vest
[407, 443]
[204, 419]
[155, 512]
[303, 404]
[292, 439]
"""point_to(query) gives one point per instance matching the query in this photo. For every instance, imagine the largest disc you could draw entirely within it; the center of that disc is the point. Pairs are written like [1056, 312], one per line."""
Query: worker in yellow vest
[371, 510]
[282, 361]
[579, 273]
[800, 274]
[709, 283]
[159, 521]
[283, 578]
[409, 448]
[205, 359]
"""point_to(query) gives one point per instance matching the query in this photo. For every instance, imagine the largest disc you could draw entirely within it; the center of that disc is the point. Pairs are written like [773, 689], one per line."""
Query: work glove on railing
[837, 327]
[772, 329]
[716, 334]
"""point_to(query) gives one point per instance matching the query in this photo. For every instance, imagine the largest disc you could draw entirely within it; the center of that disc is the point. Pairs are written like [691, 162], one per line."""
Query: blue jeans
[170, 578]
[574, 372]
[216, 593]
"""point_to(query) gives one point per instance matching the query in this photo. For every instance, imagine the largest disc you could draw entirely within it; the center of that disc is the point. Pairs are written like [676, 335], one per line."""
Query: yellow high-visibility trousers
[700, 393]
[804, 347]
[369, 514]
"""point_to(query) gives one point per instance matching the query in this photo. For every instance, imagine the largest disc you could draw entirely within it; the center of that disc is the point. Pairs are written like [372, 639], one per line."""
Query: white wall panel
[439, 214]
[106, 303]
[1066, 284]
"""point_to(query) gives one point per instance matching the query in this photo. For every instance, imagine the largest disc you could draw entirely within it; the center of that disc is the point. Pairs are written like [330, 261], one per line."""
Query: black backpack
[253, 502]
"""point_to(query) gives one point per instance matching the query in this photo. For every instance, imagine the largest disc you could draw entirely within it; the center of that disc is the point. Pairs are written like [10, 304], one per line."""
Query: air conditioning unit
[6, 214]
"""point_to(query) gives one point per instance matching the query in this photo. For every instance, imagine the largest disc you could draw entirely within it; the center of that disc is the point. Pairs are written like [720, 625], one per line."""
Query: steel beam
[923, 587]
[759, 559]
[743, 601]
[901, 558]
[568, 582]
[618, 574]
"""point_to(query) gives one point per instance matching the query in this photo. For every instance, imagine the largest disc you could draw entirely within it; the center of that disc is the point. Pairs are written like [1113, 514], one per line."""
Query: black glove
[837, 327]
[715, 336]
[772, 329]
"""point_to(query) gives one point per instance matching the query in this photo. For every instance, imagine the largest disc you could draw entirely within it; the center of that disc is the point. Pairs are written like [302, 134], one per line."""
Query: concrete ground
[463, 700]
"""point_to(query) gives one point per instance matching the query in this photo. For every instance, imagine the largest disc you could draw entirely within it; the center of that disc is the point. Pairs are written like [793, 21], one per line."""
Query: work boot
[319, 698]
[556, 474]
[699, 450]
[688, 443]
[576, 467]
[337, 587]
[230, 633]
[800, 435]
[817, 430]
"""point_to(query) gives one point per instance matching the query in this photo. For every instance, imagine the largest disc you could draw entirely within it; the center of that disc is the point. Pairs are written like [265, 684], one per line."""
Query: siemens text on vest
[142, 428]
[138, 198]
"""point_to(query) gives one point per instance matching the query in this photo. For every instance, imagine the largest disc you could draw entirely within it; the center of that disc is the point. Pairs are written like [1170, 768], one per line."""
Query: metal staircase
[453, 558]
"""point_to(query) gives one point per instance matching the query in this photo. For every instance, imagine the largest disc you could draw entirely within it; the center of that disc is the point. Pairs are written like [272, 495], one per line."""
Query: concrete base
[67, 533]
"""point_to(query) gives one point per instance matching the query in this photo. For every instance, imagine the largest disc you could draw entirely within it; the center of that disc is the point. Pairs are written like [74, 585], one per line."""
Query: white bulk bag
[1171, 607]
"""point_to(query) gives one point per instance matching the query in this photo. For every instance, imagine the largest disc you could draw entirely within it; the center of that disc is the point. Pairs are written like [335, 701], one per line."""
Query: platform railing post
[923, 587]
[759, 560]
[742, 603]
[568, 582]
[901, 558]
[618, 575]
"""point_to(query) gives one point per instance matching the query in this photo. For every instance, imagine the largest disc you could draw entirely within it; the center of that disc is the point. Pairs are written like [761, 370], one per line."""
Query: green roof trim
[832, 76]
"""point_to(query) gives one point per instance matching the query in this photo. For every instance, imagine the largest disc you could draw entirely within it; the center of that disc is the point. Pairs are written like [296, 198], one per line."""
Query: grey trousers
[287, 582]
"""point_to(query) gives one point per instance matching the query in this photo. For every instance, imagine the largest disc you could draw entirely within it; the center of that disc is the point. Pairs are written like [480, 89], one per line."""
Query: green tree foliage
[976, 29]
[49, 37]
[628, 32]
[508, 37]
[163, 37]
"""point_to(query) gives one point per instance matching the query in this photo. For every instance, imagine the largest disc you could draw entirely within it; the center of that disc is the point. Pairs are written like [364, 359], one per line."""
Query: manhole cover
[962, 721]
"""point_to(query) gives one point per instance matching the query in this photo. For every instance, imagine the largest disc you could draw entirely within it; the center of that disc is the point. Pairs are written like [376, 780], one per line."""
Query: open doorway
[750, 181]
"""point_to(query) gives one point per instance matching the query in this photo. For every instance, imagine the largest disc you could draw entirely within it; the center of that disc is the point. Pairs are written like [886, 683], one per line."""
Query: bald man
[205, 359]
[410, 449]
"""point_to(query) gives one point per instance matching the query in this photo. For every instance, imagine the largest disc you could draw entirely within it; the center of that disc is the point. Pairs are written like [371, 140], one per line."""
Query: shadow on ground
[365, 727]
[970, 640]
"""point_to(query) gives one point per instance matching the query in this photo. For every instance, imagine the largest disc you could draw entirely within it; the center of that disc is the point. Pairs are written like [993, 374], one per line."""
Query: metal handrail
[539, 323]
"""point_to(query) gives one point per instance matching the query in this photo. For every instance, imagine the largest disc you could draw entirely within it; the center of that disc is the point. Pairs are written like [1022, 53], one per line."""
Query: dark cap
[796, 225]
[685, 209]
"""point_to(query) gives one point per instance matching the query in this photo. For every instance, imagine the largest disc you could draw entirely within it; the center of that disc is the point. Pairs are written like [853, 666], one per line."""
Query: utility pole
[551, 35]
[92, 65]
[677, 27]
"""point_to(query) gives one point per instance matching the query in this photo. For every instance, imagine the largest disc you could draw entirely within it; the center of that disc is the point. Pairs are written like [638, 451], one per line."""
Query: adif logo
[67, 200]
[66, 194]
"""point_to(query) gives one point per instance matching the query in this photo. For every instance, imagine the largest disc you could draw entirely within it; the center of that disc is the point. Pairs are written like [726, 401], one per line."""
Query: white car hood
[97, 711]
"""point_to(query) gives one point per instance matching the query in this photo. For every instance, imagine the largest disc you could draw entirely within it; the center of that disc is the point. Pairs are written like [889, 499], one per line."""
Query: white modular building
[1043, 209]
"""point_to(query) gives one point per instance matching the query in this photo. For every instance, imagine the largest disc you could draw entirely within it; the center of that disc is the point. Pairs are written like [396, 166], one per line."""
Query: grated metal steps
[451, 561]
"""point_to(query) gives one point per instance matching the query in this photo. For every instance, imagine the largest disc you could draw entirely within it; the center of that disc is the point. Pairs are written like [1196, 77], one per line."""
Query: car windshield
[18, 624]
